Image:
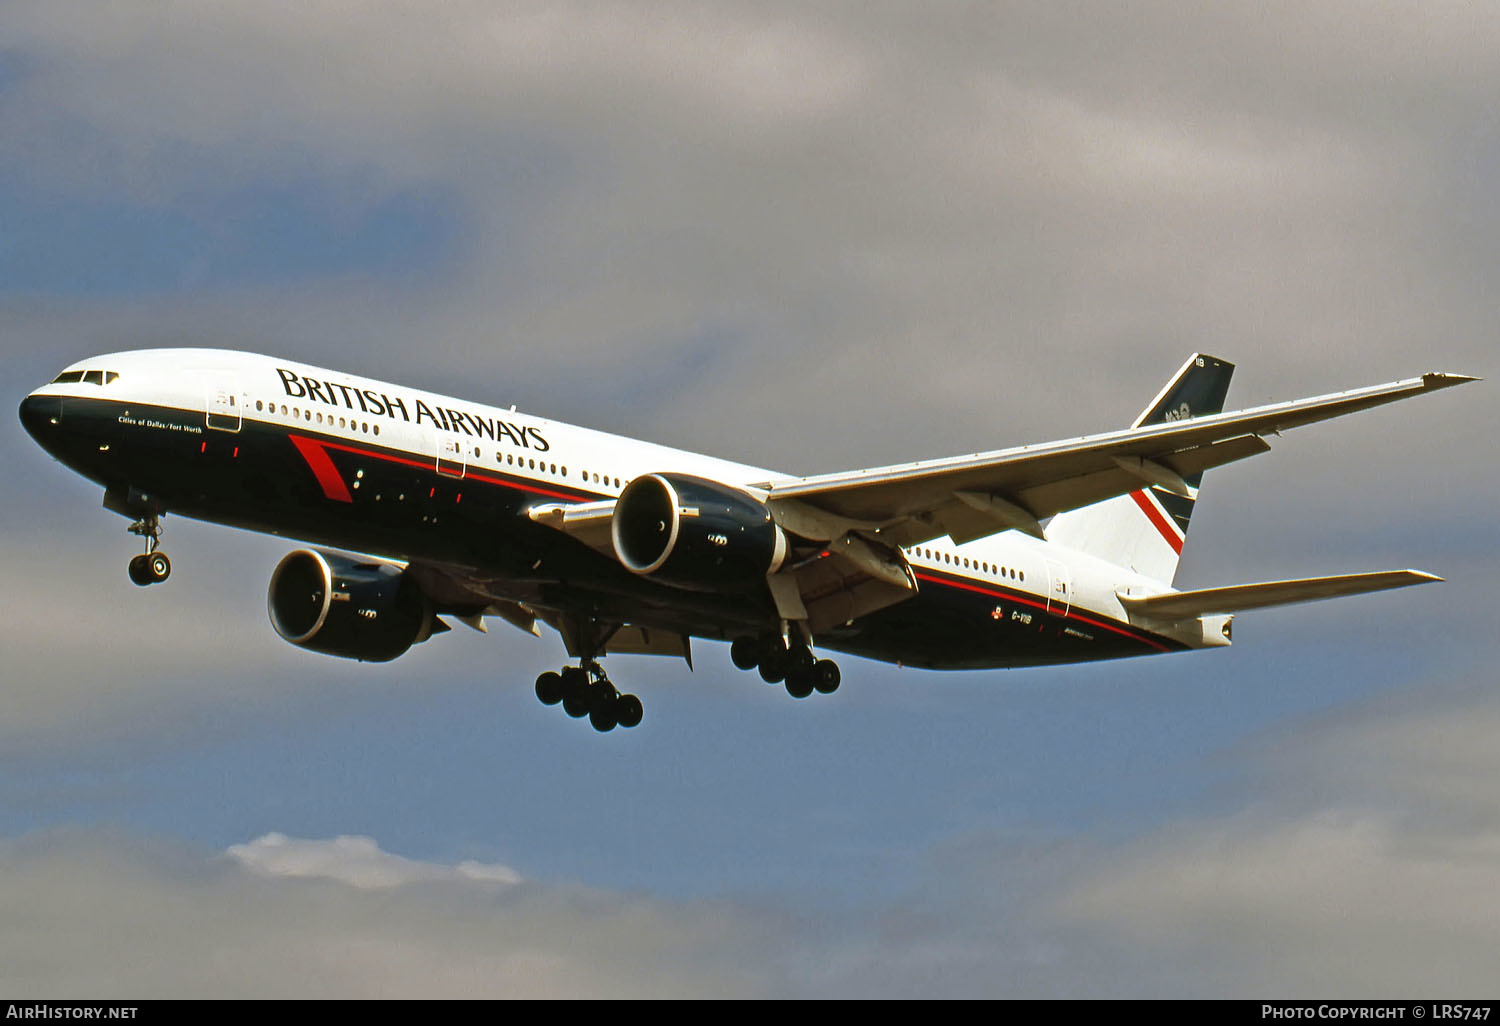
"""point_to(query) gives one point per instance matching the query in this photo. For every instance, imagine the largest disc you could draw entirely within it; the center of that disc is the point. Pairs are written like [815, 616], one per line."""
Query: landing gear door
[224, 406]
[1059, 588]
[451, 461]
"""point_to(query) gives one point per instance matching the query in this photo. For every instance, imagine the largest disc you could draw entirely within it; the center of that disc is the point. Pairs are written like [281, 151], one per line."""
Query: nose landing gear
[152, 566]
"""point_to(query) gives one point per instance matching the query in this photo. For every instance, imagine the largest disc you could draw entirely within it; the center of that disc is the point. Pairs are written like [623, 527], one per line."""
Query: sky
[811, 237]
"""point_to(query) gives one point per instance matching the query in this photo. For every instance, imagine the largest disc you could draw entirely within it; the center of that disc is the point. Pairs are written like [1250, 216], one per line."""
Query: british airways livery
[1049, 553]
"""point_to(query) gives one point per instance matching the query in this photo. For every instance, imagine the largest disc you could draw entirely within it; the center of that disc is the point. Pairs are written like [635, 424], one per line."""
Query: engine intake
[694, 533]
[339, 606]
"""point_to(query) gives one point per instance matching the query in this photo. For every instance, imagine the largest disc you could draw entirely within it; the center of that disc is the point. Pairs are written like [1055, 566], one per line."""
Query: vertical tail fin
[1145, 530]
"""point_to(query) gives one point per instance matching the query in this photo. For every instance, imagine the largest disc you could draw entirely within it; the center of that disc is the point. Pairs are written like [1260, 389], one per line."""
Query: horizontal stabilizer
[1183, 604]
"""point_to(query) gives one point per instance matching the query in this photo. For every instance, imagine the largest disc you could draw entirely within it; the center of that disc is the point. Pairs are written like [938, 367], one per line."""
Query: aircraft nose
[40, 414]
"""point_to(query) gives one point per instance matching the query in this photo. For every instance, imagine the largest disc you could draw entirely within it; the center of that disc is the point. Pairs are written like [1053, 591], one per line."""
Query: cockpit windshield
[87, 377]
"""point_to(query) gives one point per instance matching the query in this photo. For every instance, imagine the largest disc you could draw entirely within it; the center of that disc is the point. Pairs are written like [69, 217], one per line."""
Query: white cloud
[356, 861]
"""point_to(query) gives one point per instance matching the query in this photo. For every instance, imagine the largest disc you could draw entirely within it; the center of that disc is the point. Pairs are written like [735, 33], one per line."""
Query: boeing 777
[1040, 554]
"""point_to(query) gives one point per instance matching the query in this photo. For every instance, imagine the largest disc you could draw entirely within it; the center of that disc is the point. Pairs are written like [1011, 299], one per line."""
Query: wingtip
[1442, 379]
[1423, 577]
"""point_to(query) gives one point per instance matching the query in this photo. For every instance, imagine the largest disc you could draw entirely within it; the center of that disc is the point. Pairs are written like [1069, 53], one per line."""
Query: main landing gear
[586, 691]
[801, 671]
[152, 566]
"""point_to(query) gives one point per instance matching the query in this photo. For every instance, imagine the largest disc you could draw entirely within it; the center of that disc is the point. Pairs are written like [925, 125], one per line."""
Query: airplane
[419, 506]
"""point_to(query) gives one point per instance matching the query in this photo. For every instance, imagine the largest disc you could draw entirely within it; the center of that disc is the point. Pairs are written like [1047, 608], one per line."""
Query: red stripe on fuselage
[1027, 601]
[1159, 521]
[323, 469]
[304, 443]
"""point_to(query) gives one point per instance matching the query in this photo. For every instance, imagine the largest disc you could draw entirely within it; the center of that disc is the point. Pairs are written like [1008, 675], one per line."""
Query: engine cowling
[697, 534]
[339, 606]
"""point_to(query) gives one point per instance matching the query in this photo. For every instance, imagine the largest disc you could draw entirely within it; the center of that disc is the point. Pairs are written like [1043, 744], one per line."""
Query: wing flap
[1215, 454]
[1237, 598]
[636, 640]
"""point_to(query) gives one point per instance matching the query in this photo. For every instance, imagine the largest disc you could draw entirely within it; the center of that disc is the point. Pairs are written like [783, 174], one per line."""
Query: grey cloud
[1360, 859]
[94, 915]
[1366, 863]
[854, 234]
[916, 213]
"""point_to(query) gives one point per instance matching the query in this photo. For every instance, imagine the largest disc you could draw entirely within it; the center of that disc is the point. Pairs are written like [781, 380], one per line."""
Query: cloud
[1367, 864]
[357, 861]
[1360, 858]
[1341, 902]
[90, 914]
[941, 217]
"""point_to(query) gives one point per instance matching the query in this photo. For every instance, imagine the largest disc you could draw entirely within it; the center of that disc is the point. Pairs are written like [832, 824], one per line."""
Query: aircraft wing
[969, 497]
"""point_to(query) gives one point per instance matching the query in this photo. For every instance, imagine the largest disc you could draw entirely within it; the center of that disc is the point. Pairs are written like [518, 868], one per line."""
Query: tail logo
[1183, 412]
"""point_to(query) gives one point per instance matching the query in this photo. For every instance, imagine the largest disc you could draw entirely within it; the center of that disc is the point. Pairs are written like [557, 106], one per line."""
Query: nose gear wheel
[152, 566]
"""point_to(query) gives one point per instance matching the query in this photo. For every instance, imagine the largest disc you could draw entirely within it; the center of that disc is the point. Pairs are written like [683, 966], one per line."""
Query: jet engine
[339, 606]
[695, 534]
